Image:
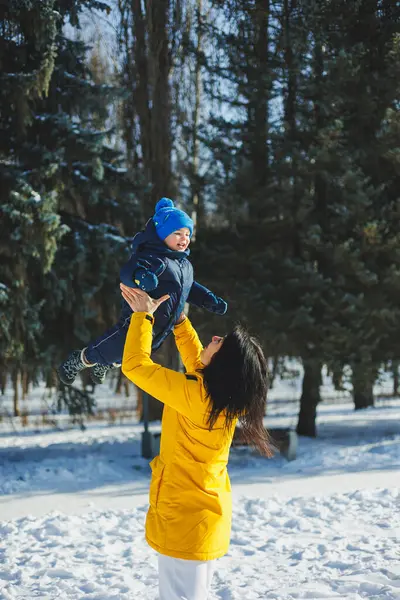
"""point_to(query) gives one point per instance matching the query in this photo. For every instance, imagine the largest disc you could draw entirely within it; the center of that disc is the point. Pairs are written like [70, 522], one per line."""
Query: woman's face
[208, 352]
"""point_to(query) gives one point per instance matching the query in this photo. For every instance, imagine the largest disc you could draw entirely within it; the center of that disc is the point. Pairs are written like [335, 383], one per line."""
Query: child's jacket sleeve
[174, 389]
[203, 298]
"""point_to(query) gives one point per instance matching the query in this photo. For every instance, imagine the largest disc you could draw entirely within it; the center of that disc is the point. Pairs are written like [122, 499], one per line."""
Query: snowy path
[130, 495]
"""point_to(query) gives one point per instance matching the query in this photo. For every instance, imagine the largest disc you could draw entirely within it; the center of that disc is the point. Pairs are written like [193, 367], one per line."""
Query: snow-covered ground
[327, 525]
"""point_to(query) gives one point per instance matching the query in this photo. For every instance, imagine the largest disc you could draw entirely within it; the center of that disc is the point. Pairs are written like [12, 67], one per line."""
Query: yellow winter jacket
[190, 493]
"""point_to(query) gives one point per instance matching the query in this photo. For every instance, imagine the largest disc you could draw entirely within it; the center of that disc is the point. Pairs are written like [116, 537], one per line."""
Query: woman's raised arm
[177, 390]
[188, 344]
[187, 340]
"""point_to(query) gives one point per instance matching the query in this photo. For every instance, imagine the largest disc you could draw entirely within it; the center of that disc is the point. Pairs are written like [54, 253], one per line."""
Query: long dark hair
[236, 381]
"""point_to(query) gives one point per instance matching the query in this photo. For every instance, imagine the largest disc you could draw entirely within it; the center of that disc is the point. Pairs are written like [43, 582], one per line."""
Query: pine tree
[150, 42]
[366, 84]
[337, 205]
[60, 176]
[30, 226]
[307, 271]
[96, 200]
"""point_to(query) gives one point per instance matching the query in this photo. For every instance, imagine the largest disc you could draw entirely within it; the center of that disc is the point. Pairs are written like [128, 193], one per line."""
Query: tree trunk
[167, 356]
[160, 124]
[155, 409]
[139, 405]
[258, 106]
[3, 381]
[290, 104]
[25, 385]
[127, 111]
[310, 398]
[120, 381]
[141, 93]
[274, 371]
[15, 381]
[337, 378]
[197, 213]
[363, 380]
[395, 371]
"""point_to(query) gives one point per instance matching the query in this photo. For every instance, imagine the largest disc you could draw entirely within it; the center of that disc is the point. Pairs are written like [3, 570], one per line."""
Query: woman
[189, 519]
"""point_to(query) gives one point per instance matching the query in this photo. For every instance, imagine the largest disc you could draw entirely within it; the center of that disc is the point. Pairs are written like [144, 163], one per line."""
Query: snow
[345, 546]
[326, 525]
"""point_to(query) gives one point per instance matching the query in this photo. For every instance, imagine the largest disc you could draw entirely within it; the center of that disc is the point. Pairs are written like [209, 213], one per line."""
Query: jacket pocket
[157, 468]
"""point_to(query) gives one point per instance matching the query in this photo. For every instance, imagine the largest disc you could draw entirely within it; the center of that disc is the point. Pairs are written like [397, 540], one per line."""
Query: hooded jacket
[190, 493]
[158, 270]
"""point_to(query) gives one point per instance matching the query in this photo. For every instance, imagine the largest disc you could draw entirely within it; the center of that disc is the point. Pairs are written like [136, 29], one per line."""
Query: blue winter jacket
[158, 270]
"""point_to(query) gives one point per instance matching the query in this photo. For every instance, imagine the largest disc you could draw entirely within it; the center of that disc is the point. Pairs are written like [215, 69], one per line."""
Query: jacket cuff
[179, 325]
[143, 316]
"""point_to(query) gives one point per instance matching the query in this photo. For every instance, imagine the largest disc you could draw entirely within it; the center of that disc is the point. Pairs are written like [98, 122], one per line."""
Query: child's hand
[139, 301]
[145, 280]
[215, 304]
[221, 307]
[181, 318]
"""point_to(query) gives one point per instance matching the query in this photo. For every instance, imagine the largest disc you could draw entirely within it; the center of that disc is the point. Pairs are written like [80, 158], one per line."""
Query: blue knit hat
[168, 219]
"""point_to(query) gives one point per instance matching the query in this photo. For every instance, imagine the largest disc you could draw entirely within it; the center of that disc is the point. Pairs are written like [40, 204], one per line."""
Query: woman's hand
[139, 301]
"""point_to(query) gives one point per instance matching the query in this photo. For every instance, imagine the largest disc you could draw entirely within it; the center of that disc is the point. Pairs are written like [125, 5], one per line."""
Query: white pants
[184, 579]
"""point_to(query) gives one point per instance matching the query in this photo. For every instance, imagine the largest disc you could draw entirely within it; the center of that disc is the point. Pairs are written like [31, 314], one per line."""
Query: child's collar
[163, 250]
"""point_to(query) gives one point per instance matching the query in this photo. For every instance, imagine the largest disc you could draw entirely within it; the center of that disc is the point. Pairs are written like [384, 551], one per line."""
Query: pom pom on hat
[168, 219]
[164, 203]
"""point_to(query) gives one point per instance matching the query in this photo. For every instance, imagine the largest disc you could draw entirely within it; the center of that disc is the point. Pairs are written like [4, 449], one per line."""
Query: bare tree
[150, 40]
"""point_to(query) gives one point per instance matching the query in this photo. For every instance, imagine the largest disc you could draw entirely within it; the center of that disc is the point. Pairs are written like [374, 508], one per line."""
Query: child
[158, 265]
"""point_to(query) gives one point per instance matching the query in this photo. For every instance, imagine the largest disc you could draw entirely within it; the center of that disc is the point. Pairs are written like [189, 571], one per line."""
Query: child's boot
[70, 368]
[98, 373]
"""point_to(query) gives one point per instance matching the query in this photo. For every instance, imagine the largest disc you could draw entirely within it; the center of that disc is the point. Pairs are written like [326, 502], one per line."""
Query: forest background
[275, 123]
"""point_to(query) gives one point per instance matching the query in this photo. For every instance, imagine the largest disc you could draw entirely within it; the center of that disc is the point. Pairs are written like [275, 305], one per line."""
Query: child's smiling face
[178, 240]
